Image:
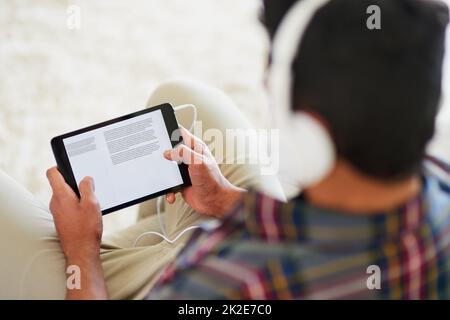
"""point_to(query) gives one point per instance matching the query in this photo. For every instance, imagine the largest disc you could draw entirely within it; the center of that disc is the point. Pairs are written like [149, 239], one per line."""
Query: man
[382, 209]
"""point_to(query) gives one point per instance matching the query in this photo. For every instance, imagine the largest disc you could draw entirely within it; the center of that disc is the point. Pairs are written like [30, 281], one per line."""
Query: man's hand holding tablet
[99, 155]
[77, 211]
[78, 220]
[210, 193]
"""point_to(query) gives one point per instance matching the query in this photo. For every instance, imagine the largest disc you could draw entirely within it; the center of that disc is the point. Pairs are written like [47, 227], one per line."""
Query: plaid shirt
[267, 249]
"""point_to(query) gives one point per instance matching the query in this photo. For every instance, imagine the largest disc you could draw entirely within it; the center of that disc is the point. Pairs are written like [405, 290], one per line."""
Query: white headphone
[307, 152]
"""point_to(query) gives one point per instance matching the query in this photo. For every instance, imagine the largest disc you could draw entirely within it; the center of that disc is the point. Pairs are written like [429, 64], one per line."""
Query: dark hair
[377, 90]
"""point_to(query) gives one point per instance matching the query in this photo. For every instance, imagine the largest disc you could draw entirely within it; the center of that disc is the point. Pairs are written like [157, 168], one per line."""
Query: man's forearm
[91, 283]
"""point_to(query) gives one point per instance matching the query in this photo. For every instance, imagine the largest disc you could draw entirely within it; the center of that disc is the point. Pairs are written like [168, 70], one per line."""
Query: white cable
[194, 110]
[163, 236]
[162, 224]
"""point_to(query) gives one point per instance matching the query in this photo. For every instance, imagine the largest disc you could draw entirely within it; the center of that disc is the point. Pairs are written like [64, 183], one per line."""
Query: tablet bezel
[64, 167]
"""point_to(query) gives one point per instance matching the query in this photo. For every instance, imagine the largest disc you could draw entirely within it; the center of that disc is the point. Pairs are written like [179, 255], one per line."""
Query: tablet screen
[125, 159]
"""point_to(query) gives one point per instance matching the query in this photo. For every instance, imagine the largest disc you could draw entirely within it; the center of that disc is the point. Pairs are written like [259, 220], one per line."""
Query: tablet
[124, 156]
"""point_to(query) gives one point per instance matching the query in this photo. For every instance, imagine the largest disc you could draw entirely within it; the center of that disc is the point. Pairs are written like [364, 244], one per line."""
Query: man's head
[377, 90]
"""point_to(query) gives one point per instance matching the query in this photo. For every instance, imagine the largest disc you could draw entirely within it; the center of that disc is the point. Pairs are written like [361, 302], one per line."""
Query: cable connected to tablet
[164, 234]
[194, 116]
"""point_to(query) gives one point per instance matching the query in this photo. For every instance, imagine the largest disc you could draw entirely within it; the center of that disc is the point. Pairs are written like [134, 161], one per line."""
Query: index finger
[184, 154]
[191, 140]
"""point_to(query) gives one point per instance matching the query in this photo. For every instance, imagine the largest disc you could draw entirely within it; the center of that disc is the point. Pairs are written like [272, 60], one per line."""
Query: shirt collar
[297, 220]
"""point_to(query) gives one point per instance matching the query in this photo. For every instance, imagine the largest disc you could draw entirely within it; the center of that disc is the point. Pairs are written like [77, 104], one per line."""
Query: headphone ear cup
[307, 152]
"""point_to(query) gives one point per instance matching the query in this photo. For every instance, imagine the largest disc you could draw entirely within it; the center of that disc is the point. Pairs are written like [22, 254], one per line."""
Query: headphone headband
[286, 45]
[307, 152]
